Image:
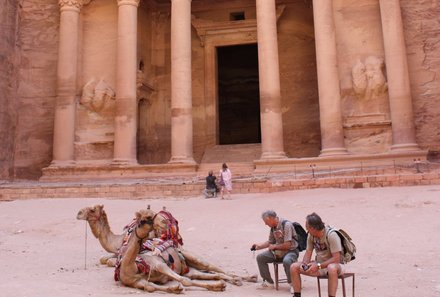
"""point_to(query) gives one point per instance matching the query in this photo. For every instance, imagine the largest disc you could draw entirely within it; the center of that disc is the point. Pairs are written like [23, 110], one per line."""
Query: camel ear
[137, 215]
[164, 208]
[148, 207]
[101, 206]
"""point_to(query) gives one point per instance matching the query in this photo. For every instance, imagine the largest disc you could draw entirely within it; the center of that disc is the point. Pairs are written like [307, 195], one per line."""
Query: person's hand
[272, 247]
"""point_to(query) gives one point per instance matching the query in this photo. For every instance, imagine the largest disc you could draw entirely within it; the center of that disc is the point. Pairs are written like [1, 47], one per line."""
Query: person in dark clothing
[211, 187]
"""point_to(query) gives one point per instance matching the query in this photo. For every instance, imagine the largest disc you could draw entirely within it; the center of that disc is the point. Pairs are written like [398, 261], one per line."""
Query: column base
[124, 162]
[405, 147]
[62, 163]
[333, 152]
[273, 155]
[182, 160]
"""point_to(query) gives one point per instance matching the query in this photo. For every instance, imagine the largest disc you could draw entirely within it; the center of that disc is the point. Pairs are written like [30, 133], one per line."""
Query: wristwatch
[319, 266]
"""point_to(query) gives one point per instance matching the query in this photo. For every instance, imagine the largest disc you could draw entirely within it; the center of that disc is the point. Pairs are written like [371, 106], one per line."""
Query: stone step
[232, 153]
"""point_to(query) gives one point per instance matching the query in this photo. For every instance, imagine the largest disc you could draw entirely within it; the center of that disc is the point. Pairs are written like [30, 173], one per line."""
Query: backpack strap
[283, 223]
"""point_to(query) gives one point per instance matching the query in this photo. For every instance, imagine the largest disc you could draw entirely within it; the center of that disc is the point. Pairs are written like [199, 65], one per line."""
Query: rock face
[8, 73]
[28, 77]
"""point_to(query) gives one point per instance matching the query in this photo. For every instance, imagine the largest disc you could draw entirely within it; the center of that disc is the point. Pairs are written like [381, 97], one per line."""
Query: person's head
[210, 173]
[314, 224]
[224, 166]
[270, 218]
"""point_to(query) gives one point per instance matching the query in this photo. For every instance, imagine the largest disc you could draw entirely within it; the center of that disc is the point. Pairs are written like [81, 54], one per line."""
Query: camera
[305, 266]
[253, 247]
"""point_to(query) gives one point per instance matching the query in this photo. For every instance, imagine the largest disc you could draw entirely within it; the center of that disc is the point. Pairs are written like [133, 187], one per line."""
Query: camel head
[92, 213]
[145, 220]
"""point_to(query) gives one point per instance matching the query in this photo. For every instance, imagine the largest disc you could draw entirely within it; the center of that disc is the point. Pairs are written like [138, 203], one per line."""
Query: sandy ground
[44, 250]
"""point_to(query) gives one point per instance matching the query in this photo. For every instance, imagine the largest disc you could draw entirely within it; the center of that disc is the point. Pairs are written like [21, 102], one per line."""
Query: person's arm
[281, 246]
[260, 246]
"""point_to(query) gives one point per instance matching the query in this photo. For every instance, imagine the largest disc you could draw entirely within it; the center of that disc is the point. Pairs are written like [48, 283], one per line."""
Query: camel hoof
[221, 286]
[237, 281]
[253, 278]
[176, 289]
[111, 262]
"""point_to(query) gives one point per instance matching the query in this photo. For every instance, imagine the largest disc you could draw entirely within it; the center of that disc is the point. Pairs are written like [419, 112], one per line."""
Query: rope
[85, 247]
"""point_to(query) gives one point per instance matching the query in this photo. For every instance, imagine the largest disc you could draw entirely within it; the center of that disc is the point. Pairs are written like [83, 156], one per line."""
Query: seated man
[211, 187]
[328, 261]
[282, 246]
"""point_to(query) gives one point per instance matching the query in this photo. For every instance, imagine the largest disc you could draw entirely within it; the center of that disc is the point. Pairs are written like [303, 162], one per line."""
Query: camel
[98, 222]
[152, 269]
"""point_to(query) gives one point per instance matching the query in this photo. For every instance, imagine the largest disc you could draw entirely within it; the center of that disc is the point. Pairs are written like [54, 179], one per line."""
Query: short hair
[268, 214]
[224, 166]
[314, 221]
[210, 172]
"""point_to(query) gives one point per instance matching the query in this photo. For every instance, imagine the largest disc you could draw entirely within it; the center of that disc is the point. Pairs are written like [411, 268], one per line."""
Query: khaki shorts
[324, 272]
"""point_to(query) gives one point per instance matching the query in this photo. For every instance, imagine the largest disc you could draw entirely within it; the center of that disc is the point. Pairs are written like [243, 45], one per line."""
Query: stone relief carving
[368, 79]
[73, 3]
[96, 94]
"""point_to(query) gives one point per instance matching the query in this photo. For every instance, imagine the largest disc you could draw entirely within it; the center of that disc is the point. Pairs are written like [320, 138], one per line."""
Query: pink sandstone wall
[422, 34]
[358, 30]
[8, 21]
[38, 41]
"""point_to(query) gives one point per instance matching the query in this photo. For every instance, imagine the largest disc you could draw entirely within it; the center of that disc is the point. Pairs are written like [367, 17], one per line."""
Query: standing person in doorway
[225, 180]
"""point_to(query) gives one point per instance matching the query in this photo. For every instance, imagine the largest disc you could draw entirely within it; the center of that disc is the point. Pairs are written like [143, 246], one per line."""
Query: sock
[296, 294]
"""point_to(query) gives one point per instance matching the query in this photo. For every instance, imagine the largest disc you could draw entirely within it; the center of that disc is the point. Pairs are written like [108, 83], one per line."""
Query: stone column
[181, 89]
[332, 132]
[126, 101]
[272, 145]
[64, 124]
[399, 91]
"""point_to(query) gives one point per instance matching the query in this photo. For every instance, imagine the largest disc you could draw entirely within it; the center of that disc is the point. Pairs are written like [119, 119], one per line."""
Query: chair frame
[342, 277]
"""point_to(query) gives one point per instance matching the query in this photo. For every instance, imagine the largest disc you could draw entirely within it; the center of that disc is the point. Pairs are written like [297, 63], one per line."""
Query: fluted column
[272, 145]
[332, 133]
[181, 89]
[399, 90]
[64, 124]
[126, 101]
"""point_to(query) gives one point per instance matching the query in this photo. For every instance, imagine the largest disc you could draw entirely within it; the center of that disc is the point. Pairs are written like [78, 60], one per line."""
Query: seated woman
[211, 187]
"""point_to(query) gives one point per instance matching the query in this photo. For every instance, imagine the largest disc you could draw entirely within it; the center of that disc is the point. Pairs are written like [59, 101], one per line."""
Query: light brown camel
[98, 221]
[153, 268]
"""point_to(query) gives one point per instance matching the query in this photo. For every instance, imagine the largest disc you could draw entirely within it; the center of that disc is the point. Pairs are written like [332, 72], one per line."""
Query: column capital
[72, 4]
[128, 2]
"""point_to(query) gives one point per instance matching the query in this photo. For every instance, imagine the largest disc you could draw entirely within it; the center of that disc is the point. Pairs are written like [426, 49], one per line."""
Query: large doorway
[238, 94]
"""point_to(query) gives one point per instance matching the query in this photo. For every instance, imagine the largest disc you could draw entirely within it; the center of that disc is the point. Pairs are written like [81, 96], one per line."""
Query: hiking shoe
[265, 286]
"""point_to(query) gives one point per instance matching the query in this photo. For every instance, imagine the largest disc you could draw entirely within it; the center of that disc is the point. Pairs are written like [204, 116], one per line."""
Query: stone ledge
[148, 190]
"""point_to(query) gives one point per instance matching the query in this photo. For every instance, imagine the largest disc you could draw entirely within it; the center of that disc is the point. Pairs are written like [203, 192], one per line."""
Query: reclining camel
[98, 221]
[142, 271]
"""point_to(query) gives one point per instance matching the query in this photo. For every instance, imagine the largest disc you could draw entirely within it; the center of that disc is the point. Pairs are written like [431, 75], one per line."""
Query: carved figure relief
[368, 79]
[96, 96]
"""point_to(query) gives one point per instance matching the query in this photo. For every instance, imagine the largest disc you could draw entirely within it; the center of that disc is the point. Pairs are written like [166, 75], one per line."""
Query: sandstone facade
[166, 119]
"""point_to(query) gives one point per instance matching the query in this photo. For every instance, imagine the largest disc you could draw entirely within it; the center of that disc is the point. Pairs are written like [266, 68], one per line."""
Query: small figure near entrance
[281, 247]
[225, 180]
[328, 261]
[211, 188]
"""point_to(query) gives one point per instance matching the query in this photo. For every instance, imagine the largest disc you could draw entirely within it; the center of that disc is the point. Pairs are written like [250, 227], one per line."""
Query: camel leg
[104, 259]
[150, 287]
[200, 264]
[196, 274]
[211, 286]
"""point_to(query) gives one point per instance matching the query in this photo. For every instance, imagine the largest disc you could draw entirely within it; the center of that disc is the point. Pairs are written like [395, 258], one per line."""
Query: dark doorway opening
[238, 94]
